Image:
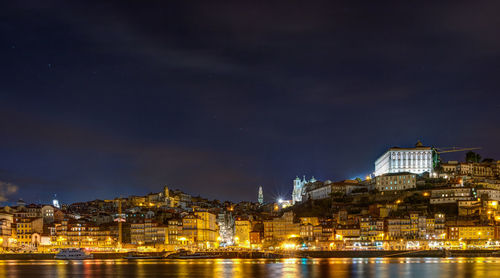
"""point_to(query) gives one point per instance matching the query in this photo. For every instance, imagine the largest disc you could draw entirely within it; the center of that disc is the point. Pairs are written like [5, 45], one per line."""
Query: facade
[371, 229]
[174, 231]
[319, 193]
[299, 188]
[200, 228]
[395, 181]
[347, 232]
[281, 228]
[346, 187]
[466, 232]
[416, 160]
[47, 214]
[318, 190]
[473, 169]
[148, 233]
[242, 230]
[256, 238]
[398, 228]
[488, 194]
[25, 228]
[452, 195]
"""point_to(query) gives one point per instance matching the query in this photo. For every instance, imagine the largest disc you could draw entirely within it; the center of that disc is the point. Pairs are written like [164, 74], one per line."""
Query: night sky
[100, 99]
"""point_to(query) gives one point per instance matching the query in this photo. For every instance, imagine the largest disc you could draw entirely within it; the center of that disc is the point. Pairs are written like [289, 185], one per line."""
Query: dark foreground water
[383, 267]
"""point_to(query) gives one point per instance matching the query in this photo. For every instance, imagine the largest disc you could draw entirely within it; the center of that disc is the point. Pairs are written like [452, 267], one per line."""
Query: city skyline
[126, 97]
[287, 195]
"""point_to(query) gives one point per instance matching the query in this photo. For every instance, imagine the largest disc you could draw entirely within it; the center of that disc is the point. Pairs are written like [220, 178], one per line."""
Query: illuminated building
[395, 181]
[174, 231]
[488, 194]
[474, 169]
[148, 232]
[347, 232]
[88, 235]
[6, 220]
[242, 230]
[25, 228]
[466, 208]
[200, 228]
[280, 228]
[416, 160]
[371, 229]
[466, 232]
[256, 238]
[307, 231]
[309, 220]
[398, 228]
[452, 195]
[298, 188]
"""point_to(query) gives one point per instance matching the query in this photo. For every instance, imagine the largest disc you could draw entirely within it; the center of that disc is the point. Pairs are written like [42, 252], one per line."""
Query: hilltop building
[416, 160]
[395, 181]
[261, 196]
[298, 188]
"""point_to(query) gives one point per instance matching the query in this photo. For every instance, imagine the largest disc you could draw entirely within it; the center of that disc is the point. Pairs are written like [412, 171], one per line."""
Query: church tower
[298, 187]
[261, 196]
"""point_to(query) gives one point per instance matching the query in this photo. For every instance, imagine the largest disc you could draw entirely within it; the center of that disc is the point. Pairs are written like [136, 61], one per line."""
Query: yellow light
[494, 203]
[182, 239]
[288, 246]
[398, 201]
[425, 194]
[292, 236]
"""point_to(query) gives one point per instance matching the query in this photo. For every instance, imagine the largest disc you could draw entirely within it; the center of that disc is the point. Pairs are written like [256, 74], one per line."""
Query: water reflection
[239, 268]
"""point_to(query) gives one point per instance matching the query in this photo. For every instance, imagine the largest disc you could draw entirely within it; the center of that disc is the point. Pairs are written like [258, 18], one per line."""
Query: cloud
[7, 189]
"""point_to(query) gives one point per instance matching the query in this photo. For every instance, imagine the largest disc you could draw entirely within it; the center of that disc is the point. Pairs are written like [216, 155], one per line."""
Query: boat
[185, 254]
[72, 254]
[141, 256]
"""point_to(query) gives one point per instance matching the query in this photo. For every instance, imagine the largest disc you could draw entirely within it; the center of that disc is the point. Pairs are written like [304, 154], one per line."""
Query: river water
[370, 267]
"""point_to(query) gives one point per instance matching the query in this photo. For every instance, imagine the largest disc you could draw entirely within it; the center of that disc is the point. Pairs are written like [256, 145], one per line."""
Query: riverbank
[297, 254]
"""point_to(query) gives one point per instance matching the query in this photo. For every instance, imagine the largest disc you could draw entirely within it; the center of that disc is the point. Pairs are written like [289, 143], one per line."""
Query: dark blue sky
[106, 98]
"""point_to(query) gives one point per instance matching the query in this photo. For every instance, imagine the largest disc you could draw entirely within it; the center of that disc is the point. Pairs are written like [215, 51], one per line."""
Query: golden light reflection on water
[276, 268]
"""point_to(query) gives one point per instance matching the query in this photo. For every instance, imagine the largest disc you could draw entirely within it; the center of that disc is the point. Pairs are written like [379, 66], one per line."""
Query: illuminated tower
[261, 196]
[55, 202]
[298, 187]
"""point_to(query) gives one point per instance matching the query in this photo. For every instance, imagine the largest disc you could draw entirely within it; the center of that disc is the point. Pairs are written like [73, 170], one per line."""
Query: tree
[472, 157]
[489, 160]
